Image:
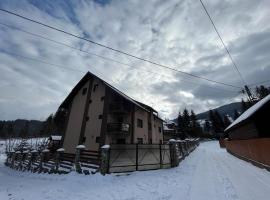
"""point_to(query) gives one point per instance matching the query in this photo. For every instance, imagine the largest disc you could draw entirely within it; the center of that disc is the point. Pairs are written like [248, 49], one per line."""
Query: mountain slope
[227, 109]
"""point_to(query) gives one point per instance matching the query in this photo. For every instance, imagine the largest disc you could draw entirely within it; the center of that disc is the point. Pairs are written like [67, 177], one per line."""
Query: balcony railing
[118, 127]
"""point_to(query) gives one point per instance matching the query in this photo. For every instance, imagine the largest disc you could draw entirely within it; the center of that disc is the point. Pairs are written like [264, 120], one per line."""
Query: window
[121, 141]
[140, 140]
[160, 141]
[102, 98]
[139, 123]
[159, 129]
[97, 139]
[90, 101]
[84, 91]
[150, 141]
[95, 87]
[100, 116]
[87, 118]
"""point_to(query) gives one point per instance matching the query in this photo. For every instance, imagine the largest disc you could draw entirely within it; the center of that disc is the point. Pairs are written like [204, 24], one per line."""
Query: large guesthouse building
[99, 114]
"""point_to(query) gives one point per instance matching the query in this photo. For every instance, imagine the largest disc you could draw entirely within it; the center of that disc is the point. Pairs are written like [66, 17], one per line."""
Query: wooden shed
[253, 123]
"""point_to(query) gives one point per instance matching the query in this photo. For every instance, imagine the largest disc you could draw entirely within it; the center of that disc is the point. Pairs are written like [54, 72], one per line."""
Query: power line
[67, 68]
[56, 65]
[224, 45]
[116, 50]
[258, 83]
[42, 61]
[99, 56]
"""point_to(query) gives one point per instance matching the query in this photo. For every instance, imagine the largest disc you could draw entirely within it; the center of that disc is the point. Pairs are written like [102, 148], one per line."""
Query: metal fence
[139, 157]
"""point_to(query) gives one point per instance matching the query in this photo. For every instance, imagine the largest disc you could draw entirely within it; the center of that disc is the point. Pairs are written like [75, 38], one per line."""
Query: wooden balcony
[119, 108]
[118, 128]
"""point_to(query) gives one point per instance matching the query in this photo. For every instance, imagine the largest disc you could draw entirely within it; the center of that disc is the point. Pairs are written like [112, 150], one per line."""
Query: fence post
[13, 159]
[57, 160]
[33, 152]
[42, 159]
[105, 159]
[160, 156]
[78, 168]
[137, 157]
[173, 153]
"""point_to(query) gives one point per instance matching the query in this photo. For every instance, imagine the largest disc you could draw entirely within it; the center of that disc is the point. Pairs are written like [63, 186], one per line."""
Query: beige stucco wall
[93, 125]
[72, 134]
[141, 132]
[156, 135]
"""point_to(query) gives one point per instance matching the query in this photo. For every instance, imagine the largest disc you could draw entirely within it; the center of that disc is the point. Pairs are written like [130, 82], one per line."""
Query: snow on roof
[56, 137]
[249, 112]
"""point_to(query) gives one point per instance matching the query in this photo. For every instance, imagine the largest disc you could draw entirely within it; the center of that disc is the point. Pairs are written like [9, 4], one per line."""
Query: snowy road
[208, 173]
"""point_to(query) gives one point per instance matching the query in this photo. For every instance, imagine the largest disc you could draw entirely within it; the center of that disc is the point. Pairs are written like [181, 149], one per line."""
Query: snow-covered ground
[207, 173]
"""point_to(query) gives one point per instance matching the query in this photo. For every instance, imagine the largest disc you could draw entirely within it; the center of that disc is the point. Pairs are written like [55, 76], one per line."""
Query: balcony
[118, 128]
[119, 107]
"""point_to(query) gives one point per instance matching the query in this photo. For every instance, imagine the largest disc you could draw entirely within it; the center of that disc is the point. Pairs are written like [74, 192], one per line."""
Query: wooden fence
[256, 151]
[83, 161]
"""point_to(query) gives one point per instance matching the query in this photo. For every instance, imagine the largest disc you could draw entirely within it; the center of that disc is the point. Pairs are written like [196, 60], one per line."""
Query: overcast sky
[176, 33]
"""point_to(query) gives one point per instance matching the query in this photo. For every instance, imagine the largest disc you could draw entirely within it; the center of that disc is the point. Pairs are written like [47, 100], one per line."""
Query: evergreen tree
[236, 114]
[186, 121]
[226, 121]
[180, 128]
[193, 119]
[219, 121]
[207, 126]
[10, 130]
[195, 128]
[24, 131]
[59, 120]
[261, 92]
[2, 129]
[48, 126]
[244, 105]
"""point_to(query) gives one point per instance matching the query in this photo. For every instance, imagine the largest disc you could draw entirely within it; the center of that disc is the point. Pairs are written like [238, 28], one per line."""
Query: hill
[227, 109]
[33, 127]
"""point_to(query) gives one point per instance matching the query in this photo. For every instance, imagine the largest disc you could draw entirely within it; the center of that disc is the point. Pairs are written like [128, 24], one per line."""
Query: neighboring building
[100, 114]
[169, 130]
[253, 123]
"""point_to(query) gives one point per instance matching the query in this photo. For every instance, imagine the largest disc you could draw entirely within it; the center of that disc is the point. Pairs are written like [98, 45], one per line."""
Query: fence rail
[84, 161]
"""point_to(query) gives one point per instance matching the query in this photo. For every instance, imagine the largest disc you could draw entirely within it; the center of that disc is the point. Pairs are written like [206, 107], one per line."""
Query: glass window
[139, 123]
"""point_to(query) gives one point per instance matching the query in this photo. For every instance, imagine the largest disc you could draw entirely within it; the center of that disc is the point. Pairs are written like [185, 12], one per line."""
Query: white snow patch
[56, 137]
[80, 146]
[106, 146]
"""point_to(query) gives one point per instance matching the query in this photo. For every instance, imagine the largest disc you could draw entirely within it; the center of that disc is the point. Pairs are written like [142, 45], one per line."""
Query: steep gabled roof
[86, 78]
[248, 113]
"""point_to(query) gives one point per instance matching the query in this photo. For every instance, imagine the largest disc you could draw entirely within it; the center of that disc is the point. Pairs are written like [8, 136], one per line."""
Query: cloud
[173, 33]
